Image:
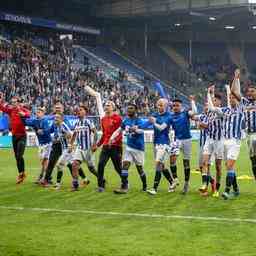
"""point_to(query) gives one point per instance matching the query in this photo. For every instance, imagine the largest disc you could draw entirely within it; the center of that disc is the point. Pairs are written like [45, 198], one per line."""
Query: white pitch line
[139, 215]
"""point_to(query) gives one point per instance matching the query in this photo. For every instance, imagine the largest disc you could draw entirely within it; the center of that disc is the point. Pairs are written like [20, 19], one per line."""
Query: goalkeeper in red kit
[16, 113]
[109, 124]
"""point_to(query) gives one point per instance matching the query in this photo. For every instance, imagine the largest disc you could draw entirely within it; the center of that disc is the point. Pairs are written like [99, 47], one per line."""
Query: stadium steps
[173, 91]
[125, 63]
[112, 58]
[110, 69]
[175, 56]
[148, 73]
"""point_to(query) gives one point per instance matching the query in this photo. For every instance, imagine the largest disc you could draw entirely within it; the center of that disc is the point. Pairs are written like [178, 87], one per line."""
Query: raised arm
[97, 96]
[193, 110]
[99, 104]
[235, 87]
[228, 91]
[211, 106]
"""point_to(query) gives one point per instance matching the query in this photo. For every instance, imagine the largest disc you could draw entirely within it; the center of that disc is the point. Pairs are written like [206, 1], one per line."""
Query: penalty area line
[138, 215]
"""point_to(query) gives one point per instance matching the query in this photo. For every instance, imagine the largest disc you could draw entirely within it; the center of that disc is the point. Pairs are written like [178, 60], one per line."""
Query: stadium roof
[158, 14]
[220, 16]
[135, 8]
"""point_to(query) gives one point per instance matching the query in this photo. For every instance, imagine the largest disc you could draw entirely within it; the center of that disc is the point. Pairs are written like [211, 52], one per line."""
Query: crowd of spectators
[213, 68]
[41, 71]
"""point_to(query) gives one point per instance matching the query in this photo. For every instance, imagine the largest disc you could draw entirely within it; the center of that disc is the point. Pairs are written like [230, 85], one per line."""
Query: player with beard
[135, 147]
[182, 141]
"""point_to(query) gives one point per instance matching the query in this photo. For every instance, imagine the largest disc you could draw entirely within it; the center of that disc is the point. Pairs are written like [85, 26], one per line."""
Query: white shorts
[251, 142]
[181, 145]
[134, 156]
[86, 156]
[231, 149]
[65, 158]
[44, 151]
[175, 148]
[214, 147]
[161, 152]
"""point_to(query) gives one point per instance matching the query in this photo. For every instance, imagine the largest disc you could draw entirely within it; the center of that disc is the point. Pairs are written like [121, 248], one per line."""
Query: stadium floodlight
[212, 18]
[252, 7]
[229, 27]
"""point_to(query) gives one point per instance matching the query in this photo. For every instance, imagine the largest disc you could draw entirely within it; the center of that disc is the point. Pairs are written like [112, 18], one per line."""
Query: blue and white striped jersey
[233, 121]
[203, 118]
[83, 129]
[215, 126]
[250, 115]
[60, 133]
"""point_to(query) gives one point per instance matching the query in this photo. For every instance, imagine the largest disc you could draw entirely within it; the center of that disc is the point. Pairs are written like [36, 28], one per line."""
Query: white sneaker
[174, 184]
[152, 191]
[57, 186]
[171, 189]
[176, 181]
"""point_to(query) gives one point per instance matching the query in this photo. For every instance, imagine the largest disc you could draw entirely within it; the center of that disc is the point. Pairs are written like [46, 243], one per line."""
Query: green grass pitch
[36, 232]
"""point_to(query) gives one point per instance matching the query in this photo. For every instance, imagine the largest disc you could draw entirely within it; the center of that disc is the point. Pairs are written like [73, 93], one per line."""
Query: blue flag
[159, 88]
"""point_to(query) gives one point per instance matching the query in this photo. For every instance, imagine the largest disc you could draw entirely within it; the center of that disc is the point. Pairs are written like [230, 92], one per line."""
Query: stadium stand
[43, 70]
[28, 57]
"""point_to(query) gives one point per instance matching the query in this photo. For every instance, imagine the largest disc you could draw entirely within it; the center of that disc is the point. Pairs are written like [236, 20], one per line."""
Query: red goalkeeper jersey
[17, 125]
[109, 124]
